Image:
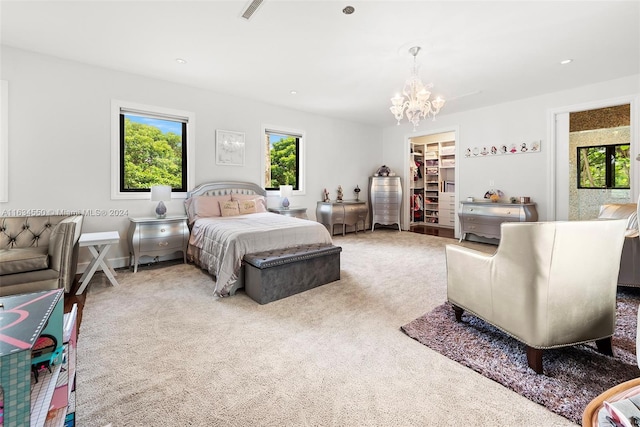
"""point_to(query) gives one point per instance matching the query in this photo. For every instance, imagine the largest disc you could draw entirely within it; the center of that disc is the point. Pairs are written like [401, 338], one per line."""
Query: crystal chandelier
[416, 104]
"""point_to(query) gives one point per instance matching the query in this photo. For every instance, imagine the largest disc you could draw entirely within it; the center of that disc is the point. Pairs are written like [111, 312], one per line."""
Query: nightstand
[156, 237]
[291, 211]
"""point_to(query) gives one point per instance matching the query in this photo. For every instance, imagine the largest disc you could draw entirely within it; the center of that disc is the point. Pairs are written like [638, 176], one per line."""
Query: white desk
[98, 244]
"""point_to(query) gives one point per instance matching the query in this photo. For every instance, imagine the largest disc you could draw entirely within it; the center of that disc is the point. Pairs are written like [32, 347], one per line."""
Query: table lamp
[286, 191]
[160, 194]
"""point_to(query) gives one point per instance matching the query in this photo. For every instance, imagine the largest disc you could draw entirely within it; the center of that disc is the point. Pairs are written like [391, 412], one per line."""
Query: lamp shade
[286, 190]
[160, 193]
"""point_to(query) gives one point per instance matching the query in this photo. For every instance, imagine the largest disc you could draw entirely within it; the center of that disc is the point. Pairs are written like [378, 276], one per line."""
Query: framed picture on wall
[229, 148]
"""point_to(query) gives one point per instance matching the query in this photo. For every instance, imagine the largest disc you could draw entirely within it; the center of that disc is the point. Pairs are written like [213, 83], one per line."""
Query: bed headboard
[226, 187]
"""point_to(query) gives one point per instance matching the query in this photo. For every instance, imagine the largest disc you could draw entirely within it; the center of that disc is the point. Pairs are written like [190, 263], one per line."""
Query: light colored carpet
[161, 350]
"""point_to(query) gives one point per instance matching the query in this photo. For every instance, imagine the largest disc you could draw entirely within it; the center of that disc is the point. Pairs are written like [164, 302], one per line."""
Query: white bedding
[223, 241]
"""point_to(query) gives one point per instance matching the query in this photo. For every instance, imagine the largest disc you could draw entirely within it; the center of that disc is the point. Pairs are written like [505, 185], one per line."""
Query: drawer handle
[163, 244]
[162, 230]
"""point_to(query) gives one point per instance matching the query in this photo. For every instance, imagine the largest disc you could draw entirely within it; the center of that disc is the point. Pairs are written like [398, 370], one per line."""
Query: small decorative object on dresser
[325, 195]
[156, 237]
[383, 171]
[339, 196]
[286, 191]
[357, 191]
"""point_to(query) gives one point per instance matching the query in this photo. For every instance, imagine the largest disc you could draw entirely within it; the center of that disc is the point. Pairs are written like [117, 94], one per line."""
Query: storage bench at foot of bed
[277, 274]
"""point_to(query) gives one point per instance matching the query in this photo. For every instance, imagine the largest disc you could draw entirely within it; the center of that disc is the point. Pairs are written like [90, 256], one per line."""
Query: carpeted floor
[573, 375]
[161, 350]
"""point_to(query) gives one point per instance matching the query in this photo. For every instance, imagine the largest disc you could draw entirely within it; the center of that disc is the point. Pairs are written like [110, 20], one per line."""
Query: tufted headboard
[226, 187]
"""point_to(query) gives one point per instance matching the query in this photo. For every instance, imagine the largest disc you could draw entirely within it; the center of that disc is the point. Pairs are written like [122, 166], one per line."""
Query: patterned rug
[573, 375]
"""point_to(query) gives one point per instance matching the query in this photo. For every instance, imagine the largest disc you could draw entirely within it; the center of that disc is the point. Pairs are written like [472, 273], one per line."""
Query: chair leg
[458, 312]
[534, 358]
[605, 346]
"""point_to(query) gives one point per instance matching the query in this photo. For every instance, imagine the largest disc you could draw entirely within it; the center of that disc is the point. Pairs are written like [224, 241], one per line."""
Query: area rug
[573, 375]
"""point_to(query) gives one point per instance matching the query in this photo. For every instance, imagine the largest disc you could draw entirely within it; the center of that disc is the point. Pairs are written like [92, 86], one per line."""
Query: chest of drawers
[385, 198]
[345, 213]
[484, 218]
[156, 237]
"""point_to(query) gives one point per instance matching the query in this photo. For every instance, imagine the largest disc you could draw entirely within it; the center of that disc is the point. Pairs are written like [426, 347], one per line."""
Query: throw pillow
[229, 208]
[247, 207]
[261, 202]
[207, 206]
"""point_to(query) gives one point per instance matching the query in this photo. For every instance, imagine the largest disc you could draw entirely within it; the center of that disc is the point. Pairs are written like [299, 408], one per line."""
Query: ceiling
[475, 53]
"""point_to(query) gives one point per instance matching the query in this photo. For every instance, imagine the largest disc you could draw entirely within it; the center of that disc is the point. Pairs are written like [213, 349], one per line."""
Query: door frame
[406, 220]
[552, 128]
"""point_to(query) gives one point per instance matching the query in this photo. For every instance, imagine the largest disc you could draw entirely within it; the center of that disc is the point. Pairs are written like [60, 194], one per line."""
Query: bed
[228, 220]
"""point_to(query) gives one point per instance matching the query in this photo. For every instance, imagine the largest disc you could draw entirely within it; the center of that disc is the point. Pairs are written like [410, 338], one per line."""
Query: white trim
[116, 107]
[302, 147]
[4, 141]
[633, 101]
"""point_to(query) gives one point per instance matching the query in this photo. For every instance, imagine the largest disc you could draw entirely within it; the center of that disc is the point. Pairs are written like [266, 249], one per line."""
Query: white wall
[514, 122]
[59, 140]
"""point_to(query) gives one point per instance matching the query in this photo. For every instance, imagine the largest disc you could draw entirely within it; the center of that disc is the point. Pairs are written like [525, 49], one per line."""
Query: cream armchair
[549, 284]
[630, 258]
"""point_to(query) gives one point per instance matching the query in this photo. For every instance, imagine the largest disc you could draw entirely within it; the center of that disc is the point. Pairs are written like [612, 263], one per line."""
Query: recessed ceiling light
[566, 61]
[181, 61]
[348, 10]
[293, 92]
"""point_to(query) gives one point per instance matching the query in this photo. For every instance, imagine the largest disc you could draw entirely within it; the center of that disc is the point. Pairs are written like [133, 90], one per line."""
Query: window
[604, 166]
[150, 146]
[283, 159]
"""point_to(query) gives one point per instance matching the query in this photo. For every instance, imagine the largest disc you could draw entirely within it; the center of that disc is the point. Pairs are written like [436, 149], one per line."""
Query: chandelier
[417, 103]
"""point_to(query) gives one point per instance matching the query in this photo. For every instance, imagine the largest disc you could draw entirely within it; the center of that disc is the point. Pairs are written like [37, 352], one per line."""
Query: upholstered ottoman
[273, 275]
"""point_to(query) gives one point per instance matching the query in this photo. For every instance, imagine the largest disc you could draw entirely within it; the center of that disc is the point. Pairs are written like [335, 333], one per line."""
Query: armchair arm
[63, 250]
[469, 279]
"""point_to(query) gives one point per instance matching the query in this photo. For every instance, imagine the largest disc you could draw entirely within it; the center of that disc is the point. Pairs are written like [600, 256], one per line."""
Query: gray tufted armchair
[38, 253]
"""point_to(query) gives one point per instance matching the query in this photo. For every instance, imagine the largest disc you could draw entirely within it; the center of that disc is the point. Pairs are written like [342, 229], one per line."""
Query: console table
[347, 212]
[484, 218]
[157, 236]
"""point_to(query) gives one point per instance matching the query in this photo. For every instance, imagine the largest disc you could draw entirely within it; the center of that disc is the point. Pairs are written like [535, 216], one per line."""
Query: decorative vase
[285, 202]
[161, 210]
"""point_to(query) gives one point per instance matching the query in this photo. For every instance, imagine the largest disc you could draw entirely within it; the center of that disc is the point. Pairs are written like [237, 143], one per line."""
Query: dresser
[484, 218]
[385, 199]
[345, 213]
[447, 209]
[290, 211]
[156, 237]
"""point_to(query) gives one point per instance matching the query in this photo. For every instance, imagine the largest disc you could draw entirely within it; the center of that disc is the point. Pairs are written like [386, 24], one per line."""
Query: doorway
[594, 150]
[600, 158]
[431, 201]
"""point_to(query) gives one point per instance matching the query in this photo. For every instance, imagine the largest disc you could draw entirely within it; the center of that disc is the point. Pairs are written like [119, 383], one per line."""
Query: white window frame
[4, 141]
[302, 142]
[116, 107]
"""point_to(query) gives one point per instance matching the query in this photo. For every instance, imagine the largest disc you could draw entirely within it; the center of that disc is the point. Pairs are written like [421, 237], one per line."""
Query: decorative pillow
[247, 206]
[230, 208]
[261, 202]
[207, 206]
